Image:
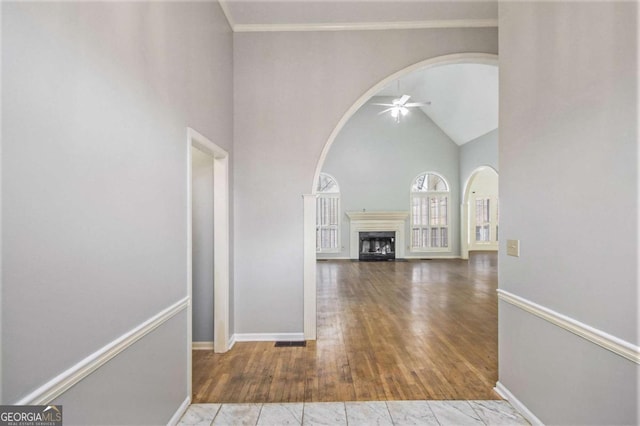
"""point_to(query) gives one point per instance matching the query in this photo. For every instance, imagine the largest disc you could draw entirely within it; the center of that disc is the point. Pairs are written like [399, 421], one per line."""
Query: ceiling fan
[400, 106]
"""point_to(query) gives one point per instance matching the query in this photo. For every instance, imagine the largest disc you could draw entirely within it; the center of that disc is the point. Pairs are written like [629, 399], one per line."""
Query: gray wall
[202, 255]
[96, 101]
[482, 151]
[568, 143]
[291, 89]
[375, 160]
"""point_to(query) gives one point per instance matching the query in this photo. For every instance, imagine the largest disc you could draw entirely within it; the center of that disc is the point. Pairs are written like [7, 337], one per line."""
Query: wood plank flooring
[386, 331]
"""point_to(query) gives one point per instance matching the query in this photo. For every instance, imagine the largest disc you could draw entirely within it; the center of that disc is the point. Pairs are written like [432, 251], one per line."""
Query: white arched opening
[309, 200]
[479, 212]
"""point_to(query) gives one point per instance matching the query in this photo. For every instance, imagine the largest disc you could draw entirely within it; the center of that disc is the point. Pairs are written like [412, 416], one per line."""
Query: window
[429, 213]
[327, 215]
[483, 219]
[486, 220]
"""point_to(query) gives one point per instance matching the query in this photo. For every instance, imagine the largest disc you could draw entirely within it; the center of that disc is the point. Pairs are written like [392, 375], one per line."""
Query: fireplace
[391, 222]
[378, 245]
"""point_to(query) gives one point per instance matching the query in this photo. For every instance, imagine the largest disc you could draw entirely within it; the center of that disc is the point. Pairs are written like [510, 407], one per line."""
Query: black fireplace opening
[377, 245]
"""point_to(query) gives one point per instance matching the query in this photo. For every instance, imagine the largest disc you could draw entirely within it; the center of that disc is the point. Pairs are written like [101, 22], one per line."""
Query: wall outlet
[513, 248]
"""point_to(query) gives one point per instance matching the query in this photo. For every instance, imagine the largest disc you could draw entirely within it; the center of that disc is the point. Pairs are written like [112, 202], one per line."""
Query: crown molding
[227, 13]
[363, 26]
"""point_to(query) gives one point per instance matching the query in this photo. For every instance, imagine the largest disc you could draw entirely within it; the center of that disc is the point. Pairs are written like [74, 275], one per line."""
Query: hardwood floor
[386, 331]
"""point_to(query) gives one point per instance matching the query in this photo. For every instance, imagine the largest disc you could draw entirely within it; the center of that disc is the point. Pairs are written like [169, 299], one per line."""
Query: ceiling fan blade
[417, 104]
[404, 99]
[386, 110]
[389, 105]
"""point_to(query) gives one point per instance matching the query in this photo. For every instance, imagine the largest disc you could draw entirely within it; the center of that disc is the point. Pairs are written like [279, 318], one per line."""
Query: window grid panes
[483, 220]
[429, 212]
[327, 214]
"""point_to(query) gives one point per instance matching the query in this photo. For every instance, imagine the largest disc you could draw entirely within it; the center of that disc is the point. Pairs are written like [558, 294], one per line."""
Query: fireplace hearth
[379, 245]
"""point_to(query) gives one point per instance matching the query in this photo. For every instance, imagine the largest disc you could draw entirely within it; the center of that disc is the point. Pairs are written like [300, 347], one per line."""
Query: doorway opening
[212, 180]
[309, 205]
[480, 212]
[365, 170]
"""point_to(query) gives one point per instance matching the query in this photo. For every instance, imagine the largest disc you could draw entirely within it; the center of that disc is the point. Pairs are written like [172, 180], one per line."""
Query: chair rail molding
[65, 380]
[605, 340]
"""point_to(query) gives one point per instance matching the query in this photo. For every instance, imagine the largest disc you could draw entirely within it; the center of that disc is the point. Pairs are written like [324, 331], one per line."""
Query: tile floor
[440, 413]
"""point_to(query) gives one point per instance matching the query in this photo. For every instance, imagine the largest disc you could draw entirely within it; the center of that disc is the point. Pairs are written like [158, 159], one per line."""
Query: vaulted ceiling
[464, 98]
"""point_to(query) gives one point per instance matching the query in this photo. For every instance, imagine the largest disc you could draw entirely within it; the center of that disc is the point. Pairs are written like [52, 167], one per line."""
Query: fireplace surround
[379, 221]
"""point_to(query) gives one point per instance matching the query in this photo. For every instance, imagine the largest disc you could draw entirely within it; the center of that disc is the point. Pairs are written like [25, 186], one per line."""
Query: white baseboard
[65, 380]
[202, 346]
[268, 337]
[430, 257]
[180, 412]
[232, 341]
[517, 404]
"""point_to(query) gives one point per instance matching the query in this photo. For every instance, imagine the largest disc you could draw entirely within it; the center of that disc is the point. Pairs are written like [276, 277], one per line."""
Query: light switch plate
[513, 248]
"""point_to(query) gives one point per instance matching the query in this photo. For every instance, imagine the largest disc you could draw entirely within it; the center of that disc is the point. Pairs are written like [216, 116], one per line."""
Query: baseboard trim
[607, 341]
[202, 346]
[502, 390]
[180, 412]
[429, 256]
[232, 341]
[267, 337]
[65, 380]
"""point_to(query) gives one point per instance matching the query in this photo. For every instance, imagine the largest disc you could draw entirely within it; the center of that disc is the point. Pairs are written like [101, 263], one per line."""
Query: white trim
[427, 256]
[173, 421]
[309, 268]
[367, 26]
[202, 346]
[220, 237]
[502, 390]
[383, 215]
[323, 258]
[269, 337]
[605, 340]
[232, 341]
[227, 14]
[65, 380]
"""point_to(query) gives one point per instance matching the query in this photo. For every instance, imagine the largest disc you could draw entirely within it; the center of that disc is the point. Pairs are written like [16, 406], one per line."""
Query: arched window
[327, 215]
[429, 212]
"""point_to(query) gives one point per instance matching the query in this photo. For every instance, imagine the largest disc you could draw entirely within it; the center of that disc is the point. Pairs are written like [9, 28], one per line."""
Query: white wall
[95, 104]
[202, 255]
[569, 193]
[291, 89]
[375, 161]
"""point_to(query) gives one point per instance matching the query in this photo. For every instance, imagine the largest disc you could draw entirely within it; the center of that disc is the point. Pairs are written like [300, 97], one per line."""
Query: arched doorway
[480, 212]
[309, 244]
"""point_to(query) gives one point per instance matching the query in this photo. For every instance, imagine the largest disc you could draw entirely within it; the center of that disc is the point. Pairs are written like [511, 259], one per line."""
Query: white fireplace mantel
[376, 221]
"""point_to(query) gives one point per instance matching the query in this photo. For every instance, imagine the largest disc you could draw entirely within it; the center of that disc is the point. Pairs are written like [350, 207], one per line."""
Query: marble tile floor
[439, 413]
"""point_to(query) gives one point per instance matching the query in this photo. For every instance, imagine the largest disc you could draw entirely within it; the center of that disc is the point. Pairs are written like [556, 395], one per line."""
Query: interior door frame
[220, 244]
